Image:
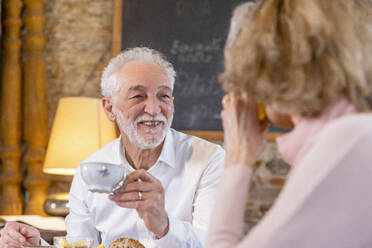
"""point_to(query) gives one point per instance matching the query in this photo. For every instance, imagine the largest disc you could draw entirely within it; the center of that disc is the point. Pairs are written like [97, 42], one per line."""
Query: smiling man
[169, 193]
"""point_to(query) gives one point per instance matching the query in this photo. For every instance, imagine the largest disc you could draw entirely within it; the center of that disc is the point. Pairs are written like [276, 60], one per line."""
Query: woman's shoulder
[343, 134]
[340, 136]
[350, 125]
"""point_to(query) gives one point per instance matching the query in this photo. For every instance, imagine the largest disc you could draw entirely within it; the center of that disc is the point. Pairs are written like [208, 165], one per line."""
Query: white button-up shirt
[189, 169]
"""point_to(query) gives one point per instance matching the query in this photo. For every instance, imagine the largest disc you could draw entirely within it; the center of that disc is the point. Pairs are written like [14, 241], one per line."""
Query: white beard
[130, 129]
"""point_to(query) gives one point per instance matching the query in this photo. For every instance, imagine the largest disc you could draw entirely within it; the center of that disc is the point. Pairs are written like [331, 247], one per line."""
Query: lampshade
[80, 128]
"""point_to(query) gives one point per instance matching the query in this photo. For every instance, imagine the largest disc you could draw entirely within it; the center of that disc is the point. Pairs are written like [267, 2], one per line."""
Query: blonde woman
[310, 62]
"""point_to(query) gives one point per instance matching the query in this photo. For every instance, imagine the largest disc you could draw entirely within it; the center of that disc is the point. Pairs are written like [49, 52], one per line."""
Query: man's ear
[107, 106]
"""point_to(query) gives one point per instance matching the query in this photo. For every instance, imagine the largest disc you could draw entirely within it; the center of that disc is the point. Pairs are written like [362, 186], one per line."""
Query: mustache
[147, 117]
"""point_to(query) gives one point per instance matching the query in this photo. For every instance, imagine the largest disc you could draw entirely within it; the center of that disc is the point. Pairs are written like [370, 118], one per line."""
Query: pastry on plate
[126, 243]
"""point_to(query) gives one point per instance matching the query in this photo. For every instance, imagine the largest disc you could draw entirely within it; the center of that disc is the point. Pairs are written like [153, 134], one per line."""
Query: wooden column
[35, 107]
[10, 177]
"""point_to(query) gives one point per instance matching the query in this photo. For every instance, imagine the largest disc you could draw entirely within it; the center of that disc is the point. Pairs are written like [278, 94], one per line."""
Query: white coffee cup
[102, 177]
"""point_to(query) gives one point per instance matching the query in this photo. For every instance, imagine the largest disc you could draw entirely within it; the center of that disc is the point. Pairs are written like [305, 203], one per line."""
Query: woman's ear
[279, 119]
[107, 106]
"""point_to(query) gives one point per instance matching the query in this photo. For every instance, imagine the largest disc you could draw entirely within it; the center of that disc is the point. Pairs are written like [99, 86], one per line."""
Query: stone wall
[78, 46]
[267, 181]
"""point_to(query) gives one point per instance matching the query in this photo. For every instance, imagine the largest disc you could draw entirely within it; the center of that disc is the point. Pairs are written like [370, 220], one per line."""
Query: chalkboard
[191, 34]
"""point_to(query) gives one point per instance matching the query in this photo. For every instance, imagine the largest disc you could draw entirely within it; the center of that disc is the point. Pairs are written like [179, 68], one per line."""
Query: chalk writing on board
[199, 113]
[201, 7]
[193, 84]
[198, 52]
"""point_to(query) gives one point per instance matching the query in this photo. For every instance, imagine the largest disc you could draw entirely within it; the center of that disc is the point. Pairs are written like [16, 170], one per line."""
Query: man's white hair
[110, 84]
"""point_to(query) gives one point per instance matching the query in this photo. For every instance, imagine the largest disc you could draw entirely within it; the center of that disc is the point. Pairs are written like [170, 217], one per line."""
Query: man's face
[143, 107]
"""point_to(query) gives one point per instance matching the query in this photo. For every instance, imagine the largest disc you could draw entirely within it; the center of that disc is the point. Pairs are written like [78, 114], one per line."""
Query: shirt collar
[290, 145]
[167, 155]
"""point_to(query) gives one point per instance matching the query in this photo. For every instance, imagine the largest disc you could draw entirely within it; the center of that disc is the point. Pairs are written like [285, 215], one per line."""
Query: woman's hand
[244, 134]
[16, 235]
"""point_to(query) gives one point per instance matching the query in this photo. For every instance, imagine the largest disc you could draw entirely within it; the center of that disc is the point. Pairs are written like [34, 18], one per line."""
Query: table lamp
[80, 128]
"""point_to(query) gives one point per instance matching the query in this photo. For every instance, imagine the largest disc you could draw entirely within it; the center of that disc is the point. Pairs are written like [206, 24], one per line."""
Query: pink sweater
[327, 200]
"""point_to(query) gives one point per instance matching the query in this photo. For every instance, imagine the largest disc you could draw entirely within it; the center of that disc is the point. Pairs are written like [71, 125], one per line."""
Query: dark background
[191, 34]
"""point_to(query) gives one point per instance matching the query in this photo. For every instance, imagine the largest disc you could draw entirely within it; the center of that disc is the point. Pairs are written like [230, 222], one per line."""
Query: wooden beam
[11, 92]
[116, 27]
[207, 135]
[218, 135]
[35, 107]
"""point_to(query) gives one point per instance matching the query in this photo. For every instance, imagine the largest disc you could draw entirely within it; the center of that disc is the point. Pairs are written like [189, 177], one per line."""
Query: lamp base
[57, 205]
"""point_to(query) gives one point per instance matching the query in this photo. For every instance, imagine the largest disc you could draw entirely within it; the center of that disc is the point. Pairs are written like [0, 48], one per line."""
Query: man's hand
[150, 207]
[15, 234]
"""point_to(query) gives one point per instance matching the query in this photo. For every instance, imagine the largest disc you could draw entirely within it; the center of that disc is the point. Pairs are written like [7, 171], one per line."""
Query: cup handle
[118, 185]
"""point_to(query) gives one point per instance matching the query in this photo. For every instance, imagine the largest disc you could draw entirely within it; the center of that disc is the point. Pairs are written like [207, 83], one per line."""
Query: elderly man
[168, 196]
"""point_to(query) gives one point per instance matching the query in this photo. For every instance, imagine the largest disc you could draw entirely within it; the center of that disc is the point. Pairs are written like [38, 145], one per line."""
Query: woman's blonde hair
[301, 55]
